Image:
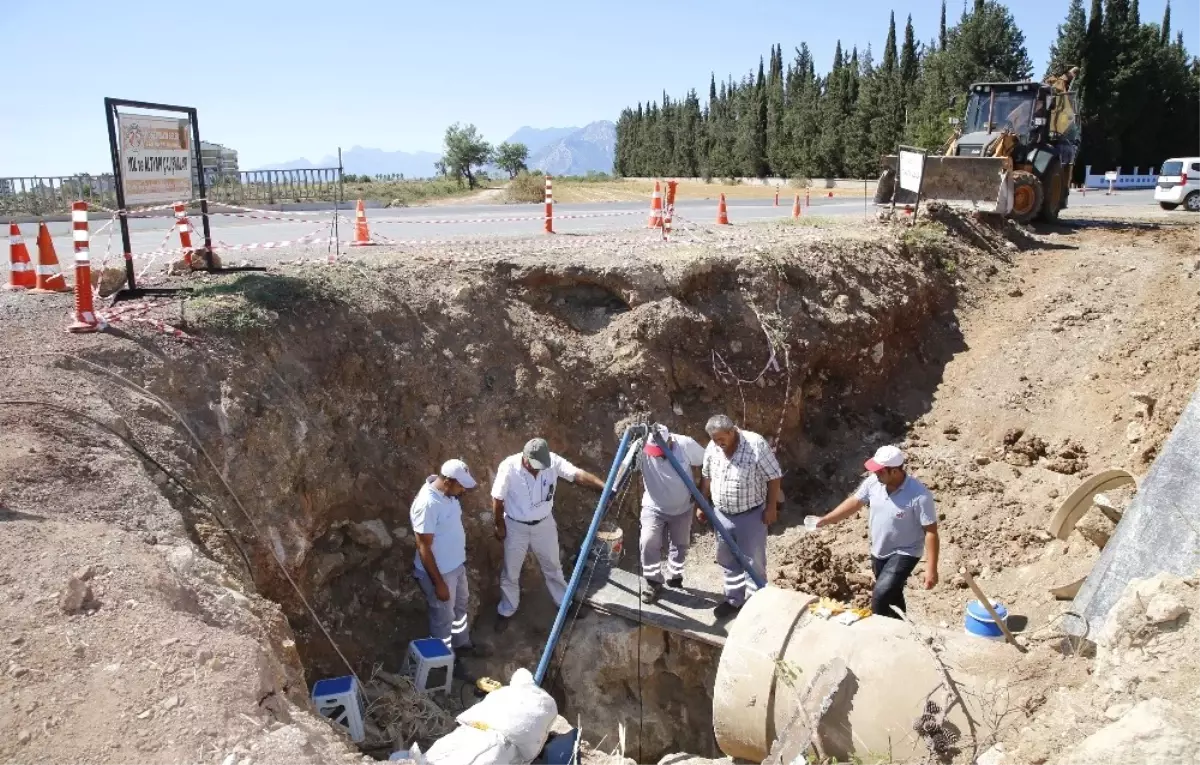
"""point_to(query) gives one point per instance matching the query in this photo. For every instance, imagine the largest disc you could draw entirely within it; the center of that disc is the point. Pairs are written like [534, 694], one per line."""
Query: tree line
[1140, 95]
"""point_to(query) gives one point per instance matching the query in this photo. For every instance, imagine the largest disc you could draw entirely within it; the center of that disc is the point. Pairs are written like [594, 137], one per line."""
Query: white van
[1179, 184]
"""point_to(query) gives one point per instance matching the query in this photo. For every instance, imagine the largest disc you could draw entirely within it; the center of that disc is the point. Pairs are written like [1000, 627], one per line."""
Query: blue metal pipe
[759, 582]
[581, 563]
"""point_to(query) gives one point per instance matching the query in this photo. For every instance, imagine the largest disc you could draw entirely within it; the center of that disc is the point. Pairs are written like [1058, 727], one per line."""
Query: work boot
[725, 609]
[650, 592]
[675, 582]
[474, 651]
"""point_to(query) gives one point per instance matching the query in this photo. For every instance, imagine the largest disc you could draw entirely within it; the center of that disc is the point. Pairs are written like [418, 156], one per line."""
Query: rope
[146, 456]
[200, 446]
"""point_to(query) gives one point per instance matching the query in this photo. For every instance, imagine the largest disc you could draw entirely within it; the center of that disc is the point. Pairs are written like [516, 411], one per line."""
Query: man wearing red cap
[903, 524]
[666, 509]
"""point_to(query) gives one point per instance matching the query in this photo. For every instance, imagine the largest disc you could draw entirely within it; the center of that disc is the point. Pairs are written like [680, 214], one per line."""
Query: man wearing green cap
[523, 505]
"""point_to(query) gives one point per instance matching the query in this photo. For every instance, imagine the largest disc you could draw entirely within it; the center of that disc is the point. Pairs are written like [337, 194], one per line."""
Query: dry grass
[569, 191]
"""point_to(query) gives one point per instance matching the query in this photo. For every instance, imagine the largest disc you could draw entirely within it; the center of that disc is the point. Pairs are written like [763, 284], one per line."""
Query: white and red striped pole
[185, 232]
[549, 205]
[85, 314]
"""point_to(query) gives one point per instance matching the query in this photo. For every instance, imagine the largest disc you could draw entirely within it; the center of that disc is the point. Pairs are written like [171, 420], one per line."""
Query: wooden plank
[685, 612]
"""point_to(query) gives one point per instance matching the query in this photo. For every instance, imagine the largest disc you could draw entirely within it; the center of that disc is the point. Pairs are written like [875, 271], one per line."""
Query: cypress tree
[942, 29]
[1067, 50]
[889, 47]
[1164, 37]
[908, 57]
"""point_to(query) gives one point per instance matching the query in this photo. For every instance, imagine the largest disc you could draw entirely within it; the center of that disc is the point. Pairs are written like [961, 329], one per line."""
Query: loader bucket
[982, 184]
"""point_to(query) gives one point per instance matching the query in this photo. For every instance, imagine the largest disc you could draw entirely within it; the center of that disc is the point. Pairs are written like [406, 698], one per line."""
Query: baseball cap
[653, 449]
[537, 453]
[885, 457]
[458, 470]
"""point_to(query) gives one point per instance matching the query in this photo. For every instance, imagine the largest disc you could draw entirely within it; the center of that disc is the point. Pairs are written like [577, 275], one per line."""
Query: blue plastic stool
[338, 698]
[425, 656]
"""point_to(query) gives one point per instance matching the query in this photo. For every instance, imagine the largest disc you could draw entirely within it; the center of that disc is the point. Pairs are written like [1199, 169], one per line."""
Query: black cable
[146, 456]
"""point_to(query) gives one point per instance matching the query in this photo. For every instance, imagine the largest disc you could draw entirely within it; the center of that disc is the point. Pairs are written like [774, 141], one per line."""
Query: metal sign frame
[111, 107]
[901, 149]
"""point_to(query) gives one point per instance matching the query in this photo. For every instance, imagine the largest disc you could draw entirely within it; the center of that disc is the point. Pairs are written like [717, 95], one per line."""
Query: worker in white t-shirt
[666, 509]
[441, 564]
[523, 506]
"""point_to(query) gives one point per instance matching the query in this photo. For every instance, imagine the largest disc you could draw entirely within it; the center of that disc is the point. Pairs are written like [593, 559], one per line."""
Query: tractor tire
[1027, 196]
[886, 189]
[1053, 188]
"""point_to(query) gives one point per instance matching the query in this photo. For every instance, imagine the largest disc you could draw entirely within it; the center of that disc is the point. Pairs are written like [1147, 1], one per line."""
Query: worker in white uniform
[441, 563]
[523, 505]
[666, 509]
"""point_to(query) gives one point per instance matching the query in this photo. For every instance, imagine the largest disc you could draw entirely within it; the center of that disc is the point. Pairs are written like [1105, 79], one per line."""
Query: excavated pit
[326, 396]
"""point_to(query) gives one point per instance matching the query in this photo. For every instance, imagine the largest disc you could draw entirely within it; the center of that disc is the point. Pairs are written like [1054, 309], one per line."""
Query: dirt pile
[1138, 703]
[811, 566]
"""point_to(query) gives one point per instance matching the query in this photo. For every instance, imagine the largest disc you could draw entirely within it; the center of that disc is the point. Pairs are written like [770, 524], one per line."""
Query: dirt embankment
[356, 384]
[325, 396]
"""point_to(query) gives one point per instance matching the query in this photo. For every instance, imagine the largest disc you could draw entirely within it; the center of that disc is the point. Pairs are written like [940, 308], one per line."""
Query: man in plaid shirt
[741, 479]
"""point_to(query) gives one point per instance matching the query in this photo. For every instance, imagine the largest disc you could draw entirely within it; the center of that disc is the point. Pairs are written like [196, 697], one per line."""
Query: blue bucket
[979, 622]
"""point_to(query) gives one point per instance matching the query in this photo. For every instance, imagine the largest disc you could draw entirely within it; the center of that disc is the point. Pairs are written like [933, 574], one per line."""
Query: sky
[280, 81]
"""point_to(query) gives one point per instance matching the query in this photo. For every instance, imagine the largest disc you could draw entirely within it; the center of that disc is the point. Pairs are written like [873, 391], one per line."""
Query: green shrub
[526, 187]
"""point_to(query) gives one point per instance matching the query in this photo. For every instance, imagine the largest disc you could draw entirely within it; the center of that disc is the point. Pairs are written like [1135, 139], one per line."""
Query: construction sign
[156, 158]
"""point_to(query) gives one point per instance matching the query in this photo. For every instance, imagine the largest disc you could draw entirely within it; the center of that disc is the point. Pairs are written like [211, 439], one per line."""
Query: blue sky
[278, 81]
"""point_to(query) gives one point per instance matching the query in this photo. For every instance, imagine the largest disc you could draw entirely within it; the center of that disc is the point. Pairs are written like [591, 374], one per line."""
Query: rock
[23, 737]
[982, 459]
[109, 279]
[993, 756]
[1095, 527]
[85, 573]
[1015, 292]
[74, 596]
[170, 702]
[950, 430]
[841, 302]
[182, 559]
[16, 671]
[1135, 431]
[372, 534]
[1153, 731]
[1117, 711]
[326, 565]
[539, 353]
[1105, 505]
[1164, 608]
[1143, 404]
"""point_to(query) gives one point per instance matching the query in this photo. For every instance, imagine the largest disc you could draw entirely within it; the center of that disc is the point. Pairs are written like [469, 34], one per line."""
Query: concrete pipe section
[776, 648]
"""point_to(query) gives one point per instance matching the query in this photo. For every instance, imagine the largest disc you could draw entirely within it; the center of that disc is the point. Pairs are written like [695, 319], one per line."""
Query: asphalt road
[150, 235]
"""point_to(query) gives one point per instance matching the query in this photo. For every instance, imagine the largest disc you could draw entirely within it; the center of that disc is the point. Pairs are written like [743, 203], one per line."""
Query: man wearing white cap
[666, 509]
[903, 524]
[523, 506]
[441, 565]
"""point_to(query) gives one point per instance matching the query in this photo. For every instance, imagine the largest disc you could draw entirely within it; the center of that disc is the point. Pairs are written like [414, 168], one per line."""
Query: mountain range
[557, 151]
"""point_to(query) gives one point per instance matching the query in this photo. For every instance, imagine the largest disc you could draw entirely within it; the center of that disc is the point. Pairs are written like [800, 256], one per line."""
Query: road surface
[230, 234]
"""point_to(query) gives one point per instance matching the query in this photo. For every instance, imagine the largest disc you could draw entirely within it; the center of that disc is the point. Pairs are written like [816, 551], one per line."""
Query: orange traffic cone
[722, 213]
[49, 277]
[796, 207]
[656, 211]
[362, 236]
[20, 275]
